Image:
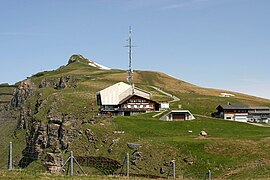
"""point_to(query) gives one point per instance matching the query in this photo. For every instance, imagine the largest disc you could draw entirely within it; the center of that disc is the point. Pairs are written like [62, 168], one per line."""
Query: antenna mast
[130, 71]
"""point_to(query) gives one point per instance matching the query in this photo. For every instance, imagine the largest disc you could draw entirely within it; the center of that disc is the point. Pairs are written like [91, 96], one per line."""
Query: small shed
[178, 115]
[164, 105]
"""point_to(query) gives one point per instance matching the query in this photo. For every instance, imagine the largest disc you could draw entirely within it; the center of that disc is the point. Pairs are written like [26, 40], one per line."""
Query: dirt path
[167, 94]
[254, 124]
[204, 116]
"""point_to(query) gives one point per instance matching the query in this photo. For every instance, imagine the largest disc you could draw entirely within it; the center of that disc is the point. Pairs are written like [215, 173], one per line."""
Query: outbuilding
[178, 115]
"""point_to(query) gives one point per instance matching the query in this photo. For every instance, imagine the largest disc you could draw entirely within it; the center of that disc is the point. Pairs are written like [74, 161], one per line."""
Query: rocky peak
[76, 58]
[80, 58]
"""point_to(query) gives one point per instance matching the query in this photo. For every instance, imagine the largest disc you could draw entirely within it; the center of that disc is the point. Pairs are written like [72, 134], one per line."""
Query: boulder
[161, 170]
[90, 136]
[136, 156]
[203, 133]
[54, 162]
[133, 145]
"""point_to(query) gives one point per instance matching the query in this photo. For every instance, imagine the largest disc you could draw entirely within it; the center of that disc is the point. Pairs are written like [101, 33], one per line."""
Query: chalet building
[233, 112]
[242, 113]
[259, 114]
[178, 115]
[122, 99]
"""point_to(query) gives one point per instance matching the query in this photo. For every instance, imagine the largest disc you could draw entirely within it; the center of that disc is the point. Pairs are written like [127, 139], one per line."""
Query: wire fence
[79, 165]
[72, 166]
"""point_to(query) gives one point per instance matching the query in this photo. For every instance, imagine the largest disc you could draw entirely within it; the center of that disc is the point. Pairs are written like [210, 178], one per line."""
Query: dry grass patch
[232, 148]
[208, 138]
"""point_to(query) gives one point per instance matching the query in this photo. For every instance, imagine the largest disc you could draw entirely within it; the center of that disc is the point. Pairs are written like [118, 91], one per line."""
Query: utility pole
[209, 175]
[127, 163]
[130, 72]
[173, 168]
[71, 163]
[10, 157]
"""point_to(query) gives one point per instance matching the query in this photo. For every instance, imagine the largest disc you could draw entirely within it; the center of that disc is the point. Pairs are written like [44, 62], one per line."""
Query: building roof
[259, 112]
[180, 111]
[114, 94]
[240, 106]
[233, 106]
[259, 108]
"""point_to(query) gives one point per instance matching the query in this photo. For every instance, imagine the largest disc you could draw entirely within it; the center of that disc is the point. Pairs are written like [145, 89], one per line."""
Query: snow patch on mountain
[96, 65]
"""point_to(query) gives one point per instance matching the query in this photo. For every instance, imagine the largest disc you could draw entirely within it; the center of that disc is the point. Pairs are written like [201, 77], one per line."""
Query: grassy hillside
[232, 150]
[229, 145]
[93, 80]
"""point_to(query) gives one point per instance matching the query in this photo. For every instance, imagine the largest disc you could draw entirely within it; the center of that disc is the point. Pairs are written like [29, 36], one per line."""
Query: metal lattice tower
[130, 71]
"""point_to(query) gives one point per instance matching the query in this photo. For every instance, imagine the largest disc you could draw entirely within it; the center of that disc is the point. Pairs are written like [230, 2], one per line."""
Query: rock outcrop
[90, 136]
[75, 58]
[54, 162]
[136, 156]
[50, 136]
[22, 93]
[67, 81]
[45, 83]
[22, 121]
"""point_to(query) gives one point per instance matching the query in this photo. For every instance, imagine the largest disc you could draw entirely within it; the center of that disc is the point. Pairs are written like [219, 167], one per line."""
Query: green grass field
[229, 144]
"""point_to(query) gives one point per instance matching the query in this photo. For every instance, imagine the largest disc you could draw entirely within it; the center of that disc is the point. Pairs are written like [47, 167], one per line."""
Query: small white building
[178, 115]
[226, 95]
[164, 105]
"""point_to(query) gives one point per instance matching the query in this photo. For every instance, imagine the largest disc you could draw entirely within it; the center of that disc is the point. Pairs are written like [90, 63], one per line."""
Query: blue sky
[222, 44]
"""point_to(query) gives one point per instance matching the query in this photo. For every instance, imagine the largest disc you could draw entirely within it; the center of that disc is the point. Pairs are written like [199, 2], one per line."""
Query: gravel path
[167, 94]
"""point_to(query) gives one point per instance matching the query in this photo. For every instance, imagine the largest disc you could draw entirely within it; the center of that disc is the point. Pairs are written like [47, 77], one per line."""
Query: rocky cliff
[46, 140]
[22, 93]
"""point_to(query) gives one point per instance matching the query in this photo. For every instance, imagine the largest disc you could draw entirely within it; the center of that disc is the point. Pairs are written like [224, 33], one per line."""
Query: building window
[228, 117]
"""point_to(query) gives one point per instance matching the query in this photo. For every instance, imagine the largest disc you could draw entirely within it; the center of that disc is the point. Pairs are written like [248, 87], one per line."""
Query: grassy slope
[7, 134]
[7, 131]
[229, 143]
